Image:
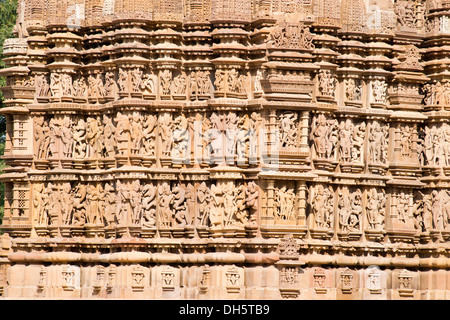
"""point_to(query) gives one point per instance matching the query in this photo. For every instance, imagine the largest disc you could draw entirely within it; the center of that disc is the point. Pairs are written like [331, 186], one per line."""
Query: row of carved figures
[434, 145]
[437, 93]
[413, 210]
[145, 204]
[137, 134]
[197, 85]
[418, 211]
[230, 135]
[218, 205]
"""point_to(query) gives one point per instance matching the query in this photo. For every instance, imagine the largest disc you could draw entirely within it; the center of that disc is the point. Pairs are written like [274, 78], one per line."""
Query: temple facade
[227, 149]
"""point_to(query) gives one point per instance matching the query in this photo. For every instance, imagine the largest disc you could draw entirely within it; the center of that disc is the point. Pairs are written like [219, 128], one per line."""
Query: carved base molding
[129, 268]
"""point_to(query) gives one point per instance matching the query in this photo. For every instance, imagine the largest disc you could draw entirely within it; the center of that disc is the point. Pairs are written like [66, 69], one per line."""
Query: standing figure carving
[149, 135]
[136, 202]
[165, 133]
[378, 143]
[165, 197]
[179, 206]
[123, 80]
[109, 199]
[149, 193]
[79, 139]
[166, 81]
[375, 209]
[327, 83]
[79, 209]
[93, 215]
[284, 204]
[123, 131]
[93, 134]
[136, 133]
[324, 135]
[41, 137]
[109, 137]
[345, 140]
[321, 201]
[181, 138]
[42, 86]
[204, 203]
[123, 199]
[288, 130]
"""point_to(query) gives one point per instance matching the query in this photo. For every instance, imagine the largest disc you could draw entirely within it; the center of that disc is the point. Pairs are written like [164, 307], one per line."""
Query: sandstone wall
[227, 149]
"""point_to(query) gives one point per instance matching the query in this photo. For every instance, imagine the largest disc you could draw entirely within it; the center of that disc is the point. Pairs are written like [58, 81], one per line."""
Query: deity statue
[109, 200]
[122, 133]
[93, 134]
[165, 196]
[42, 86]
[251, 198]
[216, 214]
[358, 138]
[165, 133]
[66, 135]
[327, 83]
[147, 84]
[79, 139]
[79, 209]
[109, 137]
[324, 136]
[288, 129]
[179, 205]
[181, 138]
[123, 199]
[136, 79]
[242, 139]
[66, 84]
[123, 80]
[346, 141]
[219, 81]
[41, 137]
[166, 81]
[204, 83]
[110, 84]
[321, 201]
[55, 85]
[204, 202]
[149, 193]
[136, 202]
[350, 210]
[136, 133]
[379, 91]
[285, 204]
[148, 134]
[353, 89]
[93, 214]
[375, 209]
[178, 86]
[231, 134]
[378, 143]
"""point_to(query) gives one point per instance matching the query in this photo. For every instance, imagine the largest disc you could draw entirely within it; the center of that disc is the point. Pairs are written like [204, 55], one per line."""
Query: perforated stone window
[19, 134]
[20, 200]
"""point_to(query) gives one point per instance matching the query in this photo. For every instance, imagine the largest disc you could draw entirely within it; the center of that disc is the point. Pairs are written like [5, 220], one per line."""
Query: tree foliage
[8, 15]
